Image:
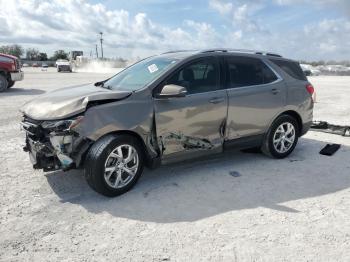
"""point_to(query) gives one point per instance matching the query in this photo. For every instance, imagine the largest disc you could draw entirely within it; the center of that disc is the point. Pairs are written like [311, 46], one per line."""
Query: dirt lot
[295, 209]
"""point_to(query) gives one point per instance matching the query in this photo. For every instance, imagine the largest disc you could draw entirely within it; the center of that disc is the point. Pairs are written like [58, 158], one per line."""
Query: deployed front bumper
[17, 76]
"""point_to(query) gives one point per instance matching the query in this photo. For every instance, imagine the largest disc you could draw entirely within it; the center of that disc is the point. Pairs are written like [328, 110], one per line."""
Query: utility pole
[101, 40]
[96, 52]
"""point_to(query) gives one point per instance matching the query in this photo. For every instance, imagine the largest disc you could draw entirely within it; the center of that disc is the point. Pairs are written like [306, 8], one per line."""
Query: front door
[193, 125]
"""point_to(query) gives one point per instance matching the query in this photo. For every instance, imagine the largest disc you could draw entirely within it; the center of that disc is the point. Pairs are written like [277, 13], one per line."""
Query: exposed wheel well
[296, 116]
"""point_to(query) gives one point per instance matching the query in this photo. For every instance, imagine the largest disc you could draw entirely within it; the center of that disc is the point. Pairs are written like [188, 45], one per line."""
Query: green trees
[15, 50]
[32, 54]
[59, 54]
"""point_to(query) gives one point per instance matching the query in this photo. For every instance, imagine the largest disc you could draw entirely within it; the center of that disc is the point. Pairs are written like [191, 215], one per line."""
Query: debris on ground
[323, 126]
[329, 149]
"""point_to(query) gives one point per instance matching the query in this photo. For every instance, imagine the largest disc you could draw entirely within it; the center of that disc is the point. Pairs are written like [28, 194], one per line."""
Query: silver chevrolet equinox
[171, 107]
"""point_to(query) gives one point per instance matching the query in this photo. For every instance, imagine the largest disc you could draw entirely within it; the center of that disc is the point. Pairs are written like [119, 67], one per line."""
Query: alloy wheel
[121, 166]
[284, 137]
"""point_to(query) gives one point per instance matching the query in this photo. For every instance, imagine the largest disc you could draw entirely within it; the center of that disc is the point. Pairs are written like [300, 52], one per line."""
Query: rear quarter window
[291, 68]
[248, 71]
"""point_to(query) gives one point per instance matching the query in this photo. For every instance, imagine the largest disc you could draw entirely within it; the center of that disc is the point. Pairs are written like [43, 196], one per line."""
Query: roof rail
[177, 51]
[248, 51]
[225, 50]
[273, 54]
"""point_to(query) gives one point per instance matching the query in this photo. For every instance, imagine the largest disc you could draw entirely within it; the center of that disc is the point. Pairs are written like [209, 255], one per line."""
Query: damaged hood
[68, 101]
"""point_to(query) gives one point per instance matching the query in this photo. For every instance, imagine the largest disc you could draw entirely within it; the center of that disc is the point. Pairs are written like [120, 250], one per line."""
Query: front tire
[3, 83]
[114, 164]
[281, 138]
[10, 84]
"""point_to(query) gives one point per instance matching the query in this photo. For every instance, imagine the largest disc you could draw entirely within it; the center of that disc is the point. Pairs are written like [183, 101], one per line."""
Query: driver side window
[198, 77]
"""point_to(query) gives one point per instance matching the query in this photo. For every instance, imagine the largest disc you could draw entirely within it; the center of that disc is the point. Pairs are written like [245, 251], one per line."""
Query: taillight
[311, 90]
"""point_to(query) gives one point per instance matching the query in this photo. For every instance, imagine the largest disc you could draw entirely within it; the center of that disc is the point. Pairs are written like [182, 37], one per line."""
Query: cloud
[341, 5]
[329, 38]
[75, 24]
[205, 33]
[221, 7]
[325, 39]
[240, 14]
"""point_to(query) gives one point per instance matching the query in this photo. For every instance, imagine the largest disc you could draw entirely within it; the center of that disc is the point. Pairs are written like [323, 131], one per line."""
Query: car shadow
[228, 182]
[14, 91]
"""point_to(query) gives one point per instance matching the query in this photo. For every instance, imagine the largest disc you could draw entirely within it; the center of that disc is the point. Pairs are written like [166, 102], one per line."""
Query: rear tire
[107, 169]
[3, 83]
[281, 138]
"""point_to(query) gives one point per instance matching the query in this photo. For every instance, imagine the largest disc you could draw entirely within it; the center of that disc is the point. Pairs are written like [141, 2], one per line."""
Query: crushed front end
[54, 145]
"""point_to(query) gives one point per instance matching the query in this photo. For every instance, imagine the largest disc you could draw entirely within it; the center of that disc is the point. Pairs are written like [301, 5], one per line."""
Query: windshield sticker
[152, 68]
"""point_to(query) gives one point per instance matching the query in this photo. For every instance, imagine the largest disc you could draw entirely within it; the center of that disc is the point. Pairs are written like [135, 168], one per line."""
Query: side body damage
[62, 144]
[61, 126]
[52, 138]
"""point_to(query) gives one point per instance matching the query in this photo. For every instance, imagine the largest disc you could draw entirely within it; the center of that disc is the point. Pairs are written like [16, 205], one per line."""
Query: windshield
[140, 74]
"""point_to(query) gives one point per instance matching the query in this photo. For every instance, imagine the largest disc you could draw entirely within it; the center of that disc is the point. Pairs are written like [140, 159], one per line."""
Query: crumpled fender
[66, 102]
[135, 114]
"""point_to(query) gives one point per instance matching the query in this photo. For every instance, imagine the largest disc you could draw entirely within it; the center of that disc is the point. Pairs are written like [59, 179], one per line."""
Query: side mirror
[99, 83]
[169, 91]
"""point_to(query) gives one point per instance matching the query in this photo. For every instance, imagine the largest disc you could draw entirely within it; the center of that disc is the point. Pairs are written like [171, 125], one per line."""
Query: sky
[298, 29]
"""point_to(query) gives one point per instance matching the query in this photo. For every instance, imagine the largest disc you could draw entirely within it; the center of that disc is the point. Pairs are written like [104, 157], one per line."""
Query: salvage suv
[166, 108]
[10, 71]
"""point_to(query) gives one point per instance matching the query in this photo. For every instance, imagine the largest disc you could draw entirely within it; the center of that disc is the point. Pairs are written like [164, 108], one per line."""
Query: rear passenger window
[198, 77]
[248, 71]
[291, 68]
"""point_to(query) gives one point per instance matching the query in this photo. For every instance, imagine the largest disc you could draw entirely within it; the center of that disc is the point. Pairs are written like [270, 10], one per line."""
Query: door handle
[275, 91]
[216, 100]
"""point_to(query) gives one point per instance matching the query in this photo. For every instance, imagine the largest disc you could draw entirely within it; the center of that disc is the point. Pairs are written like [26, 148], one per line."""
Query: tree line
[32, 54]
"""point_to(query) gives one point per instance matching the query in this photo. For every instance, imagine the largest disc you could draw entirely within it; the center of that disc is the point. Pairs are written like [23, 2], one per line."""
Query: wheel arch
[4, 73]
[296, 116]
[148, 157]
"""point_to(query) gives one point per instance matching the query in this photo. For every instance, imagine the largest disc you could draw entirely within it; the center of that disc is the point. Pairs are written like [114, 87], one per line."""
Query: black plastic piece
[324, 126]
[329, 149]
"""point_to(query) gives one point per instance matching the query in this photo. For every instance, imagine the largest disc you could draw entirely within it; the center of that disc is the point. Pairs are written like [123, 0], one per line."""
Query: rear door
[193, 125]
[256, 94]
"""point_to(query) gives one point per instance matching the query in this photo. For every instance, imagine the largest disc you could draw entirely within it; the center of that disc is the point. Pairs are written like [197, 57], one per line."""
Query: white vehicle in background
[310, 70]
[44, 67]
[77, 59]
[63, 65]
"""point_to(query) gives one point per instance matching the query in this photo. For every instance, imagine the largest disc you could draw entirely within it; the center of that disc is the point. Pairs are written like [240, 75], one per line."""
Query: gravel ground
[232, 207]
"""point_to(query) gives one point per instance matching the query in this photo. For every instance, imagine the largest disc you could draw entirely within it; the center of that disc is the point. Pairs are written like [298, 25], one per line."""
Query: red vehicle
[10, 71]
